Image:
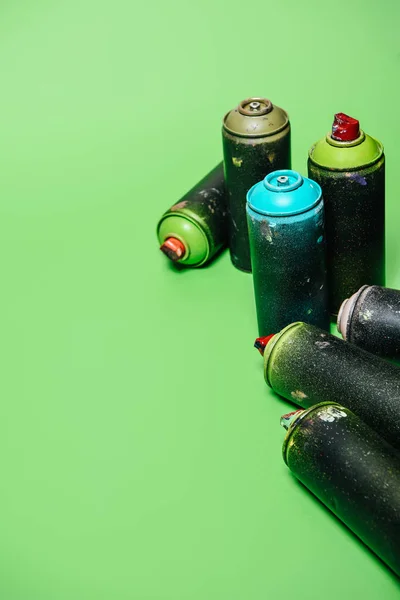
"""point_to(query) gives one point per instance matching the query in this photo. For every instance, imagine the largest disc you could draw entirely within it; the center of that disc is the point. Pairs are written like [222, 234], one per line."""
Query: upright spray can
[308, 365]
[352, 470]
[256, 141]
[193, 230]
[349, 165]
[285, 216]
[370, 318]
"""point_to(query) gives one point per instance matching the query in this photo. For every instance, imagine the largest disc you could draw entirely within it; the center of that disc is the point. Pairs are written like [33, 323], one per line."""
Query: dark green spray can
[370, 318]
[349, 165]
[256, 141]
[308, 365]
[194, 229]
[285, 216]
[352, 470]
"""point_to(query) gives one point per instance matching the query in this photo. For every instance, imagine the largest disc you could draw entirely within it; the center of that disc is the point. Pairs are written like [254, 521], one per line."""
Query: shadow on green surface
[347, 530]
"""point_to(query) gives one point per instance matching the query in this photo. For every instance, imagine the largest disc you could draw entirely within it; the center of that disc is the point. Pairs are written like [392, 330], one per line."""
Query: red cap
[345, 128]
[261, 343]
[173, 248]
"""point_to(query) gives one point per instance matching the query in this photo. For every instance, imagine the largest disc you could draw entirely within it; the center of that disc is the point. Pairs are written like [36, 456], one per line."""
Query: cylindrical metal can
[349, 165]
[256, 141]
[370, 318]
[352, 470]
[285, 216]
[308, 365]
[194, 229]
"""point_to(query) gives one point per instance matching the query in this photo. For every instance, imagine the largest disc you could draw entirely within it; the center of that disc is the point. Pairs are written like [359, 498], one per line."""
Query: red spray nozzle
[262, 342]
[173, 248]
[345, 128]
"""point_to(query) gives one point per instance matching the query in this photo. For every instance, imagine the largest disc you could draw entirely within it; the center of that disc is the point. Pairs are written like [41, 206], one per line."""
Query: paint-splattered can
[256, 141]
[308, 365]
[370, 318]
[349, 165]
[352, 470]
[194, 229]
[285, 216]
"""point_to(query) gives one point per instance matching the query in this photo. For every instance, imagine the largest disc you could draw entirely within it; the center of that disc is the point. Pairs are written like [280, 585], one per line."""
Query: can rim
[268, 106]
[329, 140]
[270, 348]
[256, 135]
[343, 143]
[297, 421]
[192, 219]
[270, 213]
[352, 301]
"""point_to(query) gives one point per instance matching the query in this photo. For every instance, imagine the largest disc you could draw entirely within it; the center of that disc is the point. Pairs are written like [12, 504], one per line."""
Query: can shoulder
[265, 125]
[329, 154]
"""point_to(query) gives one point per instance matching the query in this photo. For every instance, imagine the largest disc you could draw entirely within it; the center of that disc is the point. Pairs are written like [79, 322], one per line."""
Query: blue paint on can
[285, 216]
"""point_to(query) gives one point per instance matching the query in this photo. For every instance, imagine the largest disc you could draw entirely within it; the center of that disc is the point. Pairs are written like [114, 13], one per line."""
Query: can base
[240, 267]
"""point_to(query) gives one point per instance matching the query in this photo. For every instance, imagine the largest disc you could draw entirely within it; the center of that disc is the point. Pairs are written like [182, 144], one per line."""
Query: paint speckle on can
[179, 205]
[322, 344]
[298, 395]
[357, 178]
[366, 315]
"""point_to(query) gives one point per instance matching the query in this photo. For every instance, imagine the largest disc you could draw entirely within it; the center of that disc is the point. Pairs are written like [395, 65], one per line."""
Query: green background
[140, 448]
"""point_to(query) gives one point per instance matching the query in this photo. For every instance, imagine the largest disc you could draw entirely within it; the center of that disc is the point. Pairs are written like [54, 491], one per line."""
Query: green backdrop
[140, 448]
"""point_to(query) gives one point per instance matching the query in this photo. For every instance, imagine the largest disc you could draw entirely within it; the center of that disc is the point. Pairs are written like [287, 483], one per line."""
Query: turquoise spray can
[285, 216]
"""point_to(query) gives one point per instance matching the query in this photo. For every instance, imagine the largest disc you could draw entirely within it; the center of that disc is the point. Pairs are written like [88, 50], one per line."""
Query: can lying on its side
[352, 470]
[194, 229]
[370, 318]
[308, 365]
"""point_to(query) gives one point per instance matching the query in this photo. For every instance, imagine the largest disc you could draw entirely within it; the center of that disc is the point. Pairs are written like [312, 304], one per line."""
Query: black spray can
[349, 165]
[285, 216]
[352, 470]
[256, 141]
[308, 365]
[194, 229]
[370, 318]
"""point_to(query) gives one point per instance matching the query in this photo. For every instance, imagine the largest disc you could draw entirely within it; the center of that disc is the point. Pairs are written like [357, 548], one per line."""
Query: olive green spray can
[349, 165]
[194, 229]
[307, 365]
[256, 141]
[352, 470]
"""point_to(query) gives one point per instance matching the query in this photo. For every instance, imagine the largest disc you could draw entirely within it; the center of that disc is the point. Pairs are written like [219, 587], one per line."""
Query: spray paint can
[194, 229]
[256, 141]
[308, 365]
[285, 216]
[370, 318]
[352, 470]
[349, 165]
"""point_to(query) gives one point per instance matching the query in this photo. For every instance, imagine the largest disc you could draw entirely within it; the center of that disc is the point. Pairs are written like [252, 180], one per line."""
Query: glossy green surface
[188, 232]
[343, 156]
[140, 446]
